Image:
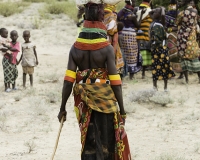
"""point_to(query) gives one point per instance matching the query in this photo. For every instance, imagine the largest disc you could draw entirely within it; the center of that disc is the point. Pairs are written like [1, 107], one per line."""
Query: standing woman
[188, 48]
[161, 69]
[129, 41]
[171, 29]
[110, 20]
[143, 36]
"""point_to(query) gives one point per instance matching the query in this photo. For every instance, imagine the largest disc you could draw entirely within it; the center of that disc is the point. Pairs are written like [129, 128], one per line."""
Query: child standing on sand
[29, 58]
[15, 48]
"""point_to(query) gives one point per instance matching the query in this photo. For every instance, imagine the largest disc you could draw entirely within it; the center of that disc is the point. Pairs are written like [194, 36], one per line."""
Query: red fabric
[92, 47]
[95, 24]
[14, 54]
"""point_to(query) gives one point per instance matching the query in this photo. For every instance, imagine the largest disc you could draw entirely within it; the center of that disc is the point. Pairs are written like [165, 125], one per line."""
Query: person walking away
[91, 65]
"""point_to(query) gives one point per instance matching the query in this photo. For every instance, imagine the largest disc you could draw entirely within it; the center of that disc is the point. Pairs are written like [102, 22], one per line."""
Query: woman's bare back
[94, 59]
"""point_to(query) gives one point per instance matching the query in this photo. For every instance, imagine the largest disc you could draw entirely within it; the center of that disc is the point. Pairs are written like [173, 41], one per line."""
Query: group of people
[143, 39]
[9, 50]
[111, 45]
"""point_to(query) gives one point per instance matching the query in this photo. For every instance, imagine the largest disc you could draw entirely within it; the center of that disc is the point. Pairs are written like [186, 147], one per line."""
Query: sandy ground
[28, 123]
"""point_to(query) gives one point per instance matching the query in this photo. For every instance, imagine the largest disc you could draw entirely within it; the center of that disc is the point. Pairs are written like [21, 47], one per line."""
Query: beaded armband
[70, 76]
[115, 79]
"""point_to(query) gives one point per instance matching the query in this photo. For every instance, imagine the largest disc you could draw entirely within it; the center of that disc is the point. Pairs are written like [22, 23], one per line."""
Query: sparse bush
[140, 96]
[36, 23]
[162, 99]
[10, 8]
[30, 145]
[56, 8]
[60, 7]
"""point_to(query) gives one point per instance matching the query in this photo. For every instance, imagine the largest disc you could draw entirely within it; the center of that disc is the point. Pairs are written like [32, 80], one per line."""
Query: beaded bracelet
[70, 76]
[115, 79]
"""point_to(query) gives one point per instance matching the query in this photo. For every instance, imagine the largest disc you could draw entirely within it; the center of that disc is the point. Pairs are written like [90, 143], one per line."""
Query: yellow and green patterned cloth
[99, 97]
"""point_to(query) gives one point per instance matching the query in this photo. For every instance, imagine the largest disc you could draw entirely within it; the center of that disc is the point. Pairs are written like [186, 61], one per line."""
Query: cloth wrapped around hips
[97, 98]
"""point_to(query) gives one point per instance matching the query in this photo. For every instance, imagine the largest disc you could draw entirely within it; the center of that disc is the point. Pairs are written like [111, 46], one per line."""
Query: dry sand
[28, 117]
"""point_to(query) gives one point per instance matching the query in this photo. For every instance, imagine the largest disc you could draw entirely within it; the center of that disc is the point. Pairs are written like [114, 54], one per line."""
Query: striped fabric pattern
[145, 24]
[146, 57]
[92, 37]
[190, 65]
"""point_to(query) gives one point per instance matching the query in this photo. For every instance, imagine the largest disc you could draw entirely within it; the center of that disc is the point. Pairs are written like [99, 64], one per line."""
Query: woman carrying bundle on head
[98, 100]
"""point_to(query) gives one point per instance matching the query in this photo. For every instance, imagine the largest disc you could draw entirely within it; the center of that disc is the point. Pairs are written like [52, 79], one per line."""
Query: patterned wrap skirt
[130, 49]
[103, 136]
[10, 71]
[190, 65]
[161, 69]
[173, 52]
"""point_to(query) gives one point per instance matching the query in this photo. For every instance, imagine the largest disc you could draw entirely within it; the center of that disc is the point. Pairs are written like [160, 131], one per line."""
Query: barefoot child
[15, 50]
[28, 57]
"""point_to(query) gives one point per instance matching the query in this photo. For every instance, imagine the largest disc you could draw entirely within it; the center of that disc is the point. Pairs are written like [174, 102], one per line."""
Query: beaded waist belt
[97, 80]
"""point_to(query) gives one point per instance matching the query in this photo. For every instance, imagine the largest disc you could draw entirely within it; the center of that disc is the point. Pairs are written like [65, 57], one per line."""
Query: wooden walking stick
[57, 140]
